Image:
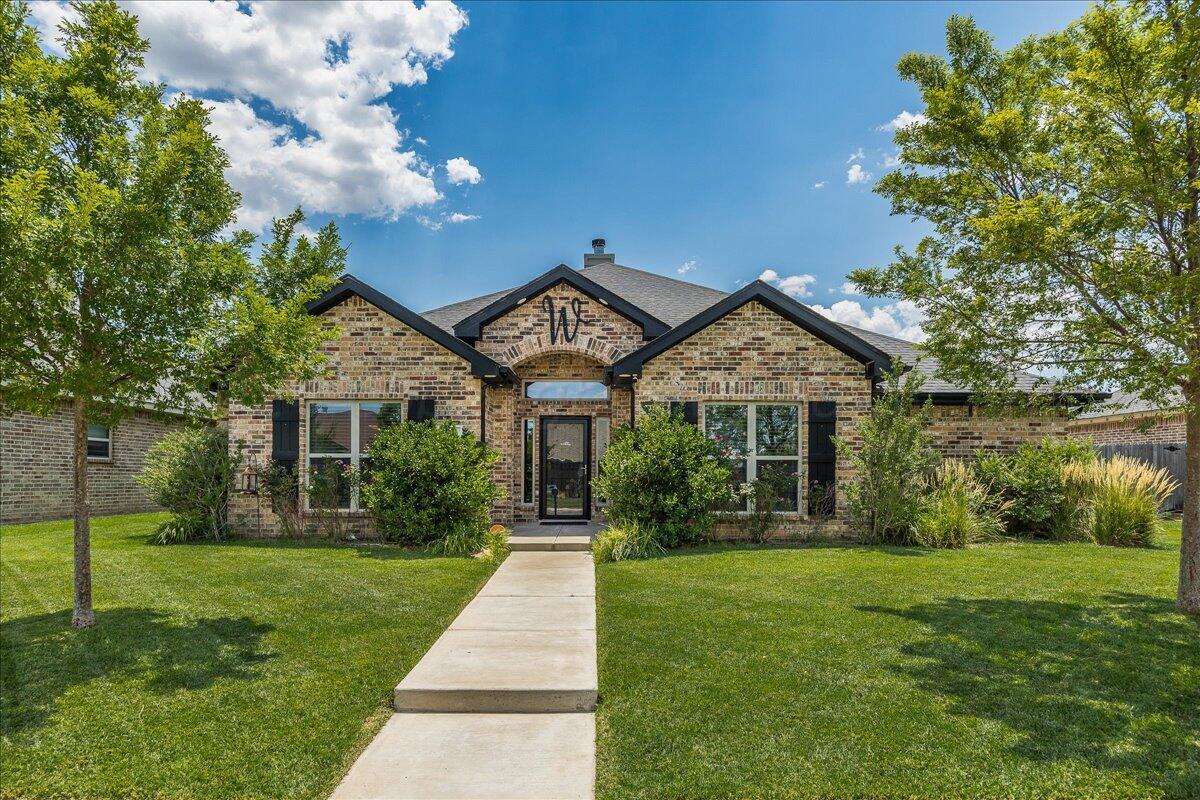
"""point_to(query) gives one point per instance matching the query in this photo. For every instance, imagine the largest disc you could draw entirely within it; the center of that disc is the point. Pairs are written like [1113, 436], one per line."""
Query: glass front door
[566, 457]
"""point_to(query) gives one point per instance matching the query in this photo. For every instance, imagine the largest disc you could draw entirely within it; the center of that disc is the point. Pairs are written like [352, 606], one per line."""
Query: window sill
[99, 460]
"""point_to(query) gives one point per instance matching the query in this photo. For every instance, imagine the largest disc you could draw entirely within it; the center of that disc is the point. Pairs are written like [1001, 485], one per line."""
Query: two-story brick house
[547, 371]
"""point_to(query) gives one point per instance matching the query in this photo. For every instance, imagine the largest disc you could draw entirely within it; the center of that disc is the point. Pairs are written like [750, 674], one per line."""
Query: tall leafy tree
[120, 289]
[1062, 182]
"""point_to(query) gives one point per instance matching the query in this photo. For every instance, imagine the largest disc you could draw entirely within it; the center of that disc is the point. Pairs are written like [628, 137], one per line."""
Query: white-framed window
[761, 439]
[99, 442]
[340, 434]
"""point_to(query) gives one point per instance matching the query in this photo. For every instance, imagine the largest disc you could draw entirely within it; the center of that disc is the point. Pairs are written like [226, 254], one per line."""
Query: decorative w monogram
[560, 326]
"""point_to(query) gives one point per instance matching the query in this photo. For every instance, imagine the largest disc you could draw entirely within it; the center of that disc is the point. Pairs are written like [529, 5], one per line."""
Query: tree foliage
[892, 462]
[1062, 182]
[122, 286]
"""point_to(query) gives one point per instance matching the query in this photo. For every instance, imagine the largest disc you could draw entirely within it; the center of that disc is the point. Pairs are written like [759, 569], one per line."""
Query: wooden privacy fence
[1170, 457]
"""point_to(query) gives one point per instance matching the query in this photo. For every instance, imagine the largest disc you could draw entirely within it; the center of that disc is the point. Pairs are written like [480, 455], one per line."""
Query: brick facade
[752, 354]
[36, 466]
[1144, 428]
[961, 430]
[375, 357]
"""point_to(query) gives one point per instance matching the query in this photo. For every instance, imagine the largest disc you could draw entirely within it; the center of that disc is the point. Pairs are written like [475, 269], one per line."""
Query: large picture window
[340, 434]
[762, 439]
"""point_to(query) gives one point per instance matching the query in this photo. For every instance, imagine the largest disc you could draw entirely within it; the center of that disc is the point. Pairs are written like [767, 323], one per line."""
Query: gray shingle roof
[1125, 403]
[674, 301]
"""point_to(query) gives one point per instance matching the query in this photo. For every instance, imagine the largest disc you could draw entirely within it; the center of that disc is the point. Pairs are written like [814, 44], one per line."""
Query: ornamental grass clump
[1122, 499]
[957, 509]
[625, 542]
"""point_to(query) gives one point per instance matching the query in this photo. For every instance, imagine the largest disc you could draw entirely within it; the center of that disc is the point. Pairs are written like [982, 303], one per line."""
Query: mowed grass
[1004, 671]
[230, 670]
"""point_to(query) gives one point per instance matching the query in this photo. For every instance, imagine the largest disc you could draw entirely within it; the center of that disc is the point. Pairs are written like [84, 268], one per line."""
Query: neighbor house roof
[1125, 403]
[675, 302]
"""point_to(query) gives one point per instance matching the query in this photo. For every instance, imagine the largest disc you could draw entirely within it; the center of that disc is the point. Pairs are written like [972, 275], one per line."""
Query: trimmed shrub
[1040, 501]
[665, 477]
[190, 473]
[428, 484]
[957, 509]
[1123, 499]
[892, 464]
[623, 543]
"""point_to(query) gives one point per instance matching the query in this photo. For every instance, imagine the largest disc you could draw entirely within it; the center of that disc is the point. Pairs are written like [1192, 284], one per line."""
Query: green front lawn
[1006, 671]
[215, 670]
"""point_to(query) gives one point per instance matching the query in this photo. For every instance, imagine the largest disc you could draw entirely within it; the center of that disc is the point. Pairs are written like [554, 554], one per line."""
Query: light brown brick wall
[524, 331]
[375, 357]
[960, 431]
[1131, 429]
[508, 412]
[753, 354]
[36, 466]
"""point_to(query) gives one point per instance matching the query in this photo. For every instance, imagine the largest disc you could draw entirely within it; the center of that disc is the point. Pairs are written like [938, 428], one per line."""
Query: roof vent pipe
[598, 256]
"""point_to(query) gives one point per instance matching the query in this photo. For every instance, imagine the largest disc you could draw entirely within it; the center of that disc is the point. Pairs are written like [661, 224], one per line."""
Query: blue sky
[680, 132]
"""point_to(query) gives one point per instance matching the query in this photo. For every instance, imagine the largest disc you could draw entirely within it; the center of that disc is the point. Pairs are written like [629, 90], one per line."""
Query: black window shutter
[822, 456]
[421, 408]
[285, 432]
[690, 410]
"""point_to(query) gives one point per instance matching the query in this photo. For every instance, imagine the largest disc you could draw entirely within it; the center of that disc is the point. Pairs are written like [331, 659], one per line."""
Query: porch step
[525, 644]
[533, 537]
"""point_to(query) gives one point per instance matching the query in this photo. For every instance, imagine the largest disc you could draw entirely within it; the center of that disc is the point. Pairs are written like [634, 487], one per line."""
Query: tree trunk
[83, 617]
[1188, 600]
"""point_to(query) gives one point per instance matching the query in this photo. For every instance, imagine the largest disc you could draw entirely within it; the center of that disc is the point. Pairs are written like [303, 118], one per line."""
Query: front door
[566, 458]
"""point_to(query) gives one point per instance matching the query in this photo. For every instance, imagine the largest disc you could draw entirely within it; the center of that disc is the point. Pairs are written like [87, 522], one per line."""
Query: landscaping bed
[1009, 670]
[240, 669]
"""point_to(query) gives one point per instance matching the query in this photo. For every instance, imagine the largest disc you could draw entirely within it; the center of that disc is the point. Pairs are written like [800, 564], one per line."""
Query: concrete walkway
[501, 705]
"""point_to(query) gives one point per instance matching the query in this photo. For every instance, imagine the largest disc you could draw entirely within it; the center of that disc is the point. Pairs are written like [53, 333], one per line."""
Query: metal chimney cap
[598, 246]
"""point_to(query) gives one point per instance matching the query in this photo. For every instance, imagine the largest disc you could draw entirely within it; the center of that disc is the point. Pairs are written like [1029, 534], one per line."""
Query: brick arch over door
[592, 347]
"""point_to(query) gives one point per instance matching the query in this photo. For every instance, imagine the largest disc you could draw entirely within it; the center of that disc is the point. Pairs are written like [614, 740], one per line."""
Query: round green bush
[425, 483]
[665, 476]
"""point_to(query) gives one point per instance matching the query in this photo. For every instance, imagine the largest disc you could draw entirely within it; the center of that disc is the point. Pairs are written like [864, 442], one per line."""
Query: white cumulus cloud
[901, 319]
[792, 285]
[460, 170]
[903, 120]
[891, 160]
[856, 174]
[458, 217]
[300, 94]
[857, 155]
[687, 266]
[819, 185]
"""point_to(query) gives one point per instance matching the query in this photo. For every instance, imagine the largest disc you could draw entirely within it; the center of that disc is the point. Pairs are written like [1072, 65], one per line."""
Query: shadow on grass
[1115, 684]
[378, 550]
[43, 657]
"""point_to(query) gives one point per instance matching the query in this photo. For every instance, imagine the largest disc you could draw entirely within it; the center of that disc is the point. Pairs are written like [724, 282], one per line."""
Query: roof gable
[481, 365]
[875, 360]
[471, 327]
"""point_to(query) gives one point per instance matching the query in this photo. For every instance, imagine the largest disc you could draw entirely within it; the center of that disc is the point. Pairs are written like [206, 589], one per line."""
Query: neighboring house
[545, 372]
[1126, 419]
[36, 464]
[1128, 425]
